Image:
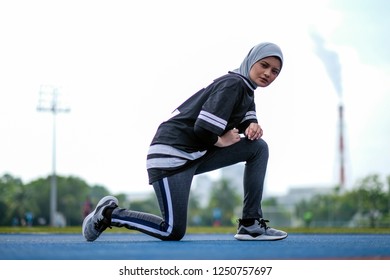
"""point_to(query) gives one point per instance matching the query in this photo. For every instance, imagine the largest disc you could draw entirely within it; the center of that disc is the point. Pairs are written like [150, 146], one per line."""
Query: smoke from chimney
[331, 61]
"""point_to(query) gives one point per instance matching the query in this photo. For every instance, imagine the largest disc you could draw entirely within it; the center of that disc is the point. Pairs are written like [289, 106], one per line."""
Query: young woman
[203, 135]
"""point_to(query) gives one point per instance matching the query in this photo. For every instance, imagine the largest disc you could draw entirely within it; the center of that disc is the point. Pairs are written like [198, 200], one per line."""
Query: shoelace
[102, 224]
[105, 222]
[263, 224]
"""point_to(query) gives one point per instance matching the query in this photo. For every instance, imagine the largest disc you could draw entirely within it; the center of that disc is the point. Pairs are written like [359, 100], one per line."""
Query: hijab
[258, 52]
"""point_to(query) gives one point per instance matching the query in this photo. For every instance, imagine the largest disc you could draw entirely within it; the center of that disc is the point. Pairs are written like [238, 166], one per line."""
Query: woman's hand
[253, 131]
[229, 138]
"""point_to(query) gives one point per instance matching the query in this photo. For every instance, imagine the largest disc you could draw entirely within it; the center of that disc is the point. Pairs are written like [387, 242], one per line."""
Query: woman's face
[265, 71]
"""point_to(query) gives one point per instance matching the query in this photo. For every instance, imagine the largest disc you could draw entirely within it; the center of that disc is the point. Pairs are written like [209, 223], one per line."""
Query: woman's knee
[261, 143]
[176, 234]
[261, 147]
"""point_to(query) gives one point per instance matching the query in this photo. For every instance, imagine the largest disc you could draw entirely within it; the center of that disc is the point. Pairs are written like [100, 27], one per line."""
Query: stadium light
[48, 102]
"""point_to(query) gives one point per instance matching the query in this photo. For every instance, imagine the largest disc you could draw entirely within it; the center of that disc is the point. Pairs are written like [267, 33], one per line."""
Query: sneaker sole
[101, 201]
[247, 237]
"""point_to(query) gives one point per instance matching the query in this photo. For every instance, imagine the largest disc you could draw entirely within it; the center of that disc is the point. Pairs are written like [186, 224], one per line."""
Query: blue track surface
[193, 247]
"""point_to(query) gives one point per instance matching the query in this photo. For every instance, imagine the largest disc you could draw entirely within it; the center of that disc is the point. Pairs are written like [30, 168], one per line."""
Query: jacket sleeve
[205, 136]
[217, 109]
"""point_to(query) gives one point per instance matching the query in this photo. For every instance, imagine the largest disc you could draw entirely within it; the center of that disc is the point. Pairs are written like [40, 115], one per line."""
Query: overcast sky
[123, 66]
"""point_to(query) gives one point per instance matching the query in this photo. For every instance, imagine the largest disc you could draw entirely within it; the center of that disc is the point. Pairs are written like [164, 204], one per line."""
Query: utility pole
[48, 102]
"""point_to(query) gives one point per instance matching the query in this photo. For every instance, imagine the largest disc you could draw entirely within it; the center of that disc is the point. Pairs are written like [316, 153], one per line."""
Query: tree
[148, 205]
[71, 193]
[194, 210]
[371, 198]
[367, 204]
[13, 200]
[223, 201]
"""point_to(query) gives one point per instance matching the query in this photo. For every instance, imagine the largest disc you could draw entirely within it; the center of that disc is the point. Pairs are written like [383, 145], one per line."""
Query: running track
[118, 246]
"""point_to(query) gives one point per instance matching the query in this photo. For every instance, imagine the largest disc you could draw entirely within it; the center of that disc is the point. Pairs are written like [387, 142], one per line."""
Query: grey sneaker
[257, 230]
[98, 220]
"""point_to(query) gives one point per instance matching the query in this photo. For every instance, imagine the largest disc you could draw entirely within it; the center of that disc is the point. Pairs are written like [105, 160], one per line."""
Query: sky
[121, 67]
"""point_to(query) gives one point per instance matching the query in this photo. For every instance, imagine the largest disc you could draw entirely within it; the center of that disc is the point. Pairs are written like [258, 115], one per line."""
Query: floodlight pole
[54, 109]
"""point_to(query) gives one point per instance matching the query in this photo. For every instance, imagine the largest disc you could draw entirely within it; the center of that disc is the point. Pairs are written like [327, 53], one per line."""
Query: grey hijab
[258, 52]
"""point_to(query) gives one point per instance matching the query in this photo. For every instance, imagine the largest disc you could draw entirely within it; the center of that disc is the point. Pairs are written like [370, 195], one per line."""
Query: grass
[198, 230]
